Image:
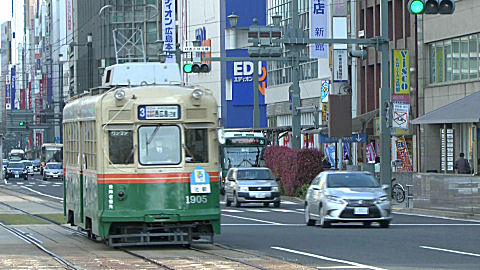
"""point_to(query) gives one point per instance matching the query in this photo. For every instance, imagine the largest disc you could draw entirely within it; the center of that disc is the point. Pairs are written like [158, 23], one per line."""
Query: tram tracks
[196, 260]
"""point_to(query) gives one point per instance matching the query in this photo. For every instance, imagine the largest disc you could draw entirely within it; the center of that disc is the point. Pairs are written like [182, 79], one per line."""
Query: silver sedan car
[342, 196]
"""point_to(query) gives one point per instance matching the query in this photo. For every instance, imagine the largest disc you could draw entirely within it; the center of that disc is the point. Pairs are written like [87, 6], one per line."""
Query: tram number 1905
[196, 199]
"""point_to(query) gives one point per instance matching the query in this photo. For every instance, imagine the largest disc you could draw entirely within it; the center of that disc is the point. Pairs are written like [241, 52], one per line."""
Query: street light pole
[90, 60]
[60, 90]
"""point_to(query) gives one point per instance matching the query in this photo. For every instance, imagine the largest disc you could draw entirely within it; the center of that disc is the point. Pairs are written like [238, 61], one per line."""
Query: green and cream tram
[141, 158]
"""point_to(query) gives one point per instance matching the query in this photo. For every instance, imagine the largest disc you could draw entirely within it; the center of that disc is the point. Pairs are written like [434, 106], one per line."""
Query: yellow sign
[401, 72]
[324, 111]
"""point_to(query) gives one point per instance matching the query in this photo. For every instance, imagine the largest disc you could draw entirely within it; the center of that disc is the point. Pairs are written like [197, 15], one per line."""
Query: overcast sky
[5, 10]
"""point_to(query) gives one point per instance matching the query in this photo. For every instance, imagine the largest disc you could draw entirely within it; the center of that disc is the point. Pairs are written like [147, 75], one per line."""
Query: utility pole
[60, 94]
[293, 32]
[385, 103]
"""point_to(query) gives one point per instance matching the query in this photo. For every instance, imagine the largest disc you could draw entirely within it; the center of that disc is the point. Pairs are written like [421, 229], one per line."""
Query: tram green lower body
[104, 209]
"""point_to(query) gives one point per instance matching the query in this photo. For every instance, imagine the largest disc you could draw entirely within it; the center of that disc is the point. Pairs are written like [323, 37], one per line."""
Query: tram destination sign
[158, 112]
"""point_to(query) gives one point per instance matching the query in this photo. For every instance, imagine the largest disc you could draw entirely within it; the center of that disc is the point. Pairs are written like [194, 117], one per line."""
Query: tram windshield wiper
[149, 140]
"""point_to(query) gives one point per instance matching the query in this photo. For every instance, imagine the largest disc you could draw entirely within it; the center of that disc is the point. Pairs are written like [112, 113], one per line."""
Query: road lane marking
[338, 267]
[283, 210]
[252, 219]
[447, 218]
[434, 224]
[279, 224]
[288, 202]
[43, 194]
[358, 265]
[451, 251]
[42, 185]
[232, 211]
[257, 210]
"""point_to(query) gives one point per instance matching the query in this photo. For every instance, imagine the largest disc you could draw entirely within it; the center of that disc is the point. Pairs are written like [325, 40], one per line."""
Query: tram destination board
[158, 112]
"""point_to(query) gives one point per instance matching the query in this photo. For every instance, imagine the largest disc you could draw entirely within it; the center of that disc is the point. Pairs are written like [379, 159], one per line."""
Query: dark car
[16, 169]
[36, 165]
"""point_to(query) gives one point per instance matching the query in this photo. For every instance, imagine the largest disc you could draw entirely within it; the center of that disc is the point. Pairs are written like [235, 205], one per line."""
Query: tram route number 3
[196, 199]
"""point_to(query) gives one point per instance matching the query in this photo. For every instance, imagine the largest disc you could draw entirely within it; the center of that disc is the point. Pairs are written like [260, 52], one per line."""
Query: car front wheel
[227, 201]
[308, 220]
[235, 201]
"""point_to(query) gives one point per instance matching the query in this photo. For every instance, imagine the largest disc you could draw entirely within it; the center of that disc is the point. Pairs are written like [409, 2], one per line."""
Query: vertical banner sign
[325, 91]
[340, 66]
[22, 99]
[402, 154]
[168, 26]
[401, 72]
[29, 95]
[49, 82]
[319, 27]
[12, 87]
[439, 64]
[7, 92]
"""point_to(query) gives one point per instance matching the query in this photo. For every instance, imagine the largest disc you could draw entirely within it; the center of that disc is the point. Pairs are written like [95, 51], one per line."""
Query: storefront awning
[465, 110]
[359, 123]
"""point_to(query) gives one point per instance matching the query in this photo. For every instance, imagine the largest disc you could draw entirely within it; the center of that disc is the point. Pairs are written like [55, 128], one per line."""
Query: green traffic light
[21, 123]
[417, 6]
[187, 68]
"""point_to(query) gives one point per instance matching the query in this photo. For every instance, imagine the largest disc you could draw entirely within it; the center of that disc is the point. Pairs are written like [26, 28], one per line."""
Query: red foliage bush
[294, 167]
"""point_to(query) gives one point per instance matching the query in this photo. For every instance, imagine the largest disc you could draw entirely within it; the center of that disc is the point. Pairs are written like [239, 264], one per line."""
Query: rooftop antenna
[127, 22]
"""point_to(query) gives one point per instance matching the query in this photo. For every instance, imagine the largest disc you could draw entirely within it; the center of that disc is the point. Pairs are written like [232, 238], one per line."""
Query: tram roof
[135, 74]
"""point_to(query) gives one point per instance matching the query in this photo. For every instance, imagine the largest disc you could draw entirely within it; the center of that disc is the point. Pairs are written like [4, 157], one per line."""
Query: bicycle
[398, 192]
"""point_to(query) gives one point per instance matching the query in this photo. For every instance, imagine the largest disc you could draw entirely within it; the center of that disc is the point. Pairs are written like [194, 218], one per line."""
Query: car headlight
[381, 199]
[335, 199]
[274, 188]
[243, 188]
[197, 94]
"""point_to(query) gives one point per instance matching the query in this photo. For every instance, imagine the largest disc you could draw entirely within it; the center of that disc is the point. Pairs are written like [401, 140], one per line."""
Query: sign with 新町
[401, 72]
[319, 27]
[168, 26]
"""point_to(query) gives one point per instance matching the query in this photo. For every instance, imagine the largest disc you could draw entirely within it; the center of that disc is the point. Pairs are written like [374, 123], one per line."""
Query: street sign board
[355, 138]
[197, 49]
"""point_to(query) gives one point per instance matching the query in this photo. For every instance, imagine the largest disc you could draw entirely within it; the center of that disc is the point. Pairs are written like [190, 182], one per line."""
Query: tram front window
[120, 145]
[159, 145]
[196, 145]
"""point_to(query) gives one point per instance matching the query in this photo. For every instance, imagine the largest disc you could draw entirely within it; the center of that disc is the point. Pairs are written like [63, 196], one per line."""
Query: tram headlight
[197, 94]
[119, 94]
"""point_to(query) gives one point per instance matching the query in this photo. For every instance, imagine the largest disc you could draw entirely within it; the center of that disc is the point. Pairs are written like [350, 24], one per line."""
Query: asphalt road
[411, 242]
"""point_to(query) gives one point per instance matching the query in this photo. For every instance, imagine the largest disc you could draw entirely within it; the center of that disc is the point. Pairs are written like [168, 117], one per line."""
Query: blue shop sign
[355, 138]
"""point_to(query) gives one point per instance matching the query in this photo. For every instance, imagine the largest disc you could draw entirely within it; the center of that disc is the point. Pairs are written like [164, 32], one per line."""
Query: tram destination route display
[158, 112]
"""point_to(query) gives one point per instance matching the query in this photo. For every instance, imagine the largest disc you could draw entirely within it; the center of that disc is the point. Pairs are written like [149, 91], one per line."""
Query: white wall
[204, 13]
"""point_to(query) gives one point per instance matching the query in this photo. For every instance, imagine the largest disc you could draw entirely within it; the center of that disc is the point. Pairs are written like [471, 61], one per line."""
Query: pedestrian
[377, 164]
[462, 165]
[325, 163]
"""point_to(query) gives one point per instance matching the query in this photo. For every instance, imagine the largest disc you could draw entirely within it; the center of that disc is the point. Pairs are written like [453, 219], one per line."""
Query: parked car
[29, 166]
[36, 165]
[251, 185]
[16, 169]
[53, 170]
[340, 196]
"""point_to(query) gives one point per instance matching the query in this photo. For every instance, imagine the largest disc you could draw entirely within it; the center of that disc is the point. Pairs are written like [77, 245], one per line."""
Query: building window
[455, 59]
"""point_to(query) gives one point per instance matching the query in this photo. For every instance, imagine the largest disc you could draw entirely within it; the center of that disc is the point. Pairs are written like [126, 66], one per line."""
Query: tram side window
[196, 145]
[120, 146]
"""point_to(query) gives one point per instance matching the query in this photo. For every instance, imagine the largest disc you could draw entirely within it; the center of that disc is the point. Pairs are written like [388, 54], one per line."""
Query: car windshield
[36, 163]
[351, 180]
[54, 166]
[254, 174]
[15, 165]
[28, 163]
